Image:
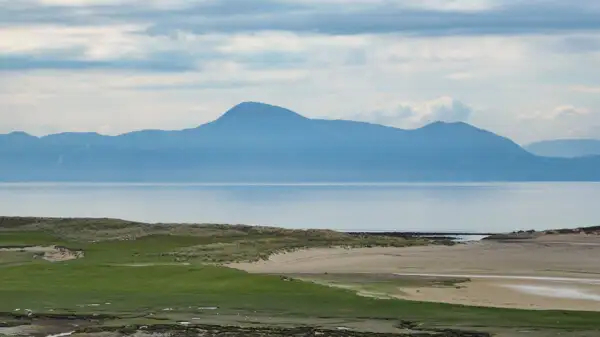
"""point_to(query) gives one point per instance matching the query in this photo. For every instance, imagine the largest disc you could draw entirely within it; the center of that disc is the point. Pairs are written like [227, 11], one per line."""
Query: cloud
[451, 5]
[593, 132]
[430, 18]
[391, 19]
[578, 44]
[460, 76]
[125, 47]
[586, 89]
[91, 43]
[88, 47]
[444, 109]
[566, 111]
[130, 64]
[243, 78]
[158, 63]
[112, 34]
[557, 113]
[563, 121]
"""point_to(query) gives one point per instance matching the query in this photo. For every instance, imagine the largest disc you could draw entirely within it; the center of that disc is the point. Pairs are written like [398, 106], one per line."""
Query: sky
[525, 69]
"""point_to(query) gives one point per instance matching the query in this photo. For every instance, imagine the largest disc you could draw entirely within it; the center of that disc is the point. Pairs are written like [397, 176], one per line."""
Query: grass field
[171, 273]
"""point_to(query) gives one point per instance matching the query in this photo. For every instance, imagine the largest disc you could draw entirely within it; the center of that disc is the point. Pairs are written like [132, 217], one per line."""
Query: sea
[423, 207]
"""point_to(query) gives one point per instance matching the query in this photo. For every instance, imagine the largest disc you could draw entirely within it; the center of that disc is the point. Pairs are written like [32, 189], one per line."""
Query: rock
[235, 331]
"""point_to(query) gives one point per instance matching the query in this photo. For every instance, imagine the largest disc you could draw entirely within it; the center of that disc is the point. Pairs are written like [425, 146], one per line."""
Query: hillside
[566, 148]
[260, 142]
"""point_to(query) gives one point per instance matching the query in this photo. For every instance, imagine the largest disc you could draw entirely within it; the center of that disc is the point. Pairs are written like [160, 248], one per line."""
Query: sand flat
[549, 272]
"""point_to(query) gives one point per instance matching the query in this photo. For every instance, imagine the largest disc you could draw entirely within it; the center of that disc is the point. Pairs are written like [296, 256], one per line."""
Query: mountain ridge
[236, 110]
[256, 142]
[566, 148]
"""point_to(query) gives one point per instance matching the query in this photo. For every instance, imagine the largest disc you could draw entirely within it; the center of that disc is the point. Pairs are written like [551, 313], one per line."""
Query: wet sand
[548, 272]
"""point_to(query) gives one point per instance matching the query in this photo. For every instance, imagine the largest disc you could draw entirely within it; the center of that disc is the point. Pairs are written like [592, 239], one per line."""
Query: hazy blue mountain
[261, 142]
[566, 148]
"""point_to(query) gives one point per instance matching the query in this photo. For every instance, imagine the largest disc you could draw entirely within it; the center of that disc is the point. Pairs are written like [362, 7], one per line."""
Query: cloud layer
[530, 68]
[341, 17]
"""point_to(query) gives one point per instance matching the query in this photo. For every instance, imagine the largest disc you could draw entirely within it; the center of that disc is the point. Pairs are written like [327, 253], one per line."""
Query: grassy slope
[201, 243]
[101, 278]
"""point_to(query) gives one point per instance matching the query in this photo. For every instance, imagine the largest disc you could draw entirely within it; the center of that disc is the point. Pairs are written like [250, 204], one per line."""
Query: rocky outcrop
[57, 317]
[532, 234]
[49, 253]
[594, 230]
[233, 331]
[82, 325]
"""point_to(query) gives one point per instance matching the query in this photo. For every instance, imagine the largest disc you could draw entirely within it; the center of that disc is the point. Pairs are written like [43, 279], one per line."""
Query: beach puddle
[554, 292]
[64, 334]
[509, 277]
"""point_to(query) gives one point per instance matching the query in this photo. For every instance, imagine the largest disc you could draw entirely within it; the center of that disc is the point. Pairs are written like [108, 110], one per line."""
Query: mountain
[566, 148]
[259, 142]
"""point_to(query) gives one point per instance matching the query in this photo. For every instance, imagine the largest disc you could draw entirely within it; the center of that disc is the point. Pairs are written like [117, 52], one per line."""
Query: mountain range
[257, 142]
[566, 148]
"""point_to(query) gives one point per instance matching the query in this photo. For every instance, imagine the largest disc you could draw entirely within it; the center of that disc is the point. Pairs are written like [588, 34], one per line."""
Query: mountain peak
[21, 134]
[443, 123]
[448, 127]
[253, 112]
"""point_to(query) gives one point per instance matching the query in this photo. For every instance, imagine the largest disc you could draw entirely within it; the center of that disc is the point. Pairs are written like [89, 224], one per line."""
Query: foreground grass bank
[140, 273]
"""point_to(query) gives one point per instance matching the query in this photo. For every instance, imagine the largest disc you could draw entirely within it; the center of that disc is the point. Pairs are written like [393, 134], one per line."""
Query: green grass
[8, 258]
[101, 278]
[74, 286]
[27, 238]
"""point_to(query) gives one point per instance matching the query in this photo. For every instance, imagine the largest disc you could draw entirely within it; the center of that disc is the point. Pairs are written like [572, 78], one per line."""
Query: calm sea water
[420, 207]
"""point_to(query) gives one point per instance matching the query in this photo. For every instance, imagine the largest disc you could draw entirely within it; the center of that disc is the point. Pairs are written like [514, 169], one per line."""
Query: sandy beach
[548, 272]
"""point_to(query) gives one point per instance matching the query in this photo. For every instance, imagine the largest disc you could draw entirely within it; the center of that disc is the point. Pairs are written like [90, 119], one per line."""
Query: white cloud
[456, 49]
[416, 114]
[80, 2]
[88, 102]
[586, 89]
[460, 76]
[95, 41]
[287, 42]
[84, 3]
[115, 102]
[316, 74]
[557, 113]
[566, 111]
[563, 121]
[451, 5]
[443, 5]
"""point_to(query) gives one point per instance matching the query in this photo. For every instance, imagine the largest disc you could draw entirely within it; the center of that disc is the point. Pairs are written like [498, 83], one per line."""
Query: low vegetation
[182, 243]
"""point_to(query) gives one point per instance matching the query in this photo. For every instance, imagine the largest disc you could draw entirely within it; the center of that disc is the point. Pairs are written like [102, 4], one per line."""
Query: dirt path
[550, 272]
